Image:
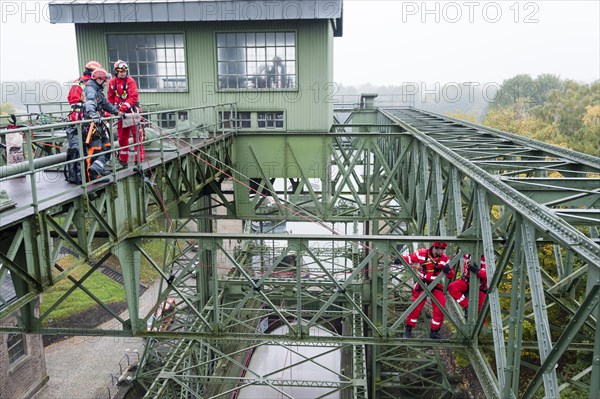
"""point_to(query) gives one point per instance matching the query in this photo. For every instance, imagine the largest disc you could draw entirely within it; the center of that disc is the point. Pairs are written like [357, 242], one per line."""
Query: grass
[148, 274]
[78, 301]
[156, 250]
[104, 288]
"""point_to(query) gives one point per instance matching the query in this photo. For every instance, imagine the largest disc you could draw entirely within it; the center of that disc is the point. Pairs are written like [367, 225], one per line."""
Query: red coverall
[124, 94]
[75, 98]
[458, 288]
[429, 269]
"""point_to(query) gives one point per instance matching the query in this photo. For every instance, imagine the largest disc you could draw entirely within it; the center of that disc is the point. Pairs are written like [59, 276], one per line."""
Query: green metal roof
[117, 11]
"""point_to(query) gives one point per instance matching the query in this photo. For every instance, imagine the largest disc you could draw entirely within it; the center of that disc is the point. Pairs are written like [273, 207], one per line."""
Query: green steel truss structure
[397, 179]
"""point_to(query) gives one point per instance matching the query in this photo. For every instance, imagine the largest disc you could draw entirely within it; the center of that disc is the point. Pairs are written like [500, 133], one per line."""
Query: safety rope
[283, 202]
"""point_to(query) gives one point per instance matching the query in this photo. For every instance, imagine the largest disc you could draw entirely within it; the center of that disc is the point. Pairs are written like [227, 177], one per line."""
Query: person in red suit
[430, 263]
[75, 96]
[457, 289]
[123, 93]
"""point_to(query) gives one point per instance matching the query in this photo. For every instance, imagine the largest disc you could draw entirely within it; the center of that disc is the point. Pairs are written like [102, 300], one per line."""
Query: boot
[435, 334]
[123, 164]
[407, 332]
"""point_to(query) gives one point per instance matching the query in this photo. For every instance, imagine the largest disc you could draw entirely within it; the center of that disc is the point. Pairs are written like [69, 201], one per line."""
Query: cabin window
[240, 120]
[256, 60]
[270, 120]
[156, 61]
[168, 120]
[16, 347]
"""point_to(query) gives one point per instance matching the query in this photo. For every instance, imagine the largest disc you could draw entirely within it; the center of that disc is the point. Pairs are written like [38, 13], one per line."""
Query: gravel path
[80, 367]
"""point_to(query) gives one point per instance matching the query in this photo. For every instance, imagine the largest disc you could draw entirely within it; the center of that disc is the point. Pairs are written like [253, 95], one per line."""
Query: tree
[546, 83]
[519, 120]
[465, 116]
[7, 109]
[518, 87]
[563, 113]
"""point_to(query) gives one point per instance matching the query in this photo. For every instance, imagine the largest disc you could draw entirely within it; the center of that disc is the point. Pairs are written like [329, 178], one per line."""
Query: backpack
[72, 170]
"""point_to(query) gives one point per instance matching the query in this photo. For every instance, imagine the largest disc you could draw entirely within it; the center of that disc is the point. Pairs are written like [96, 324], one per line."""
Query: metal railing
[350, 102]
[125, 368]
[44, 149]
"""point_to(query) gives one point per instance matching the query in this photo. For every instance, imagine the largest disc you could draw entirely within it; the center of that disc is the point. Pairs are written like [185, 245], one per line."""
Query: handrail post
[29, 145]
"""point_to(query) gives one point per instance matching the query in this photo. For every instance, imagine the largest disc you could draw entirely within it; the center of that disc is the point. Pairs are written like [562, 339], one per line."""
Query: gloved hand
[397, 261]
[123, 108]
[446, 269]
[473, 268]
[97, 120]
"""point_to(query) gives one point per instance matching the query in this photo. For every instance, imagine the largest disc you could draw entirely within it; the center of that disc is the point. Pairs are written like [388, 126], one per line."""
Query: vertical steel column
[130, 256]
[438, 197]
[21, 285]
[595, 379]
[516, 317]
[424, 191]
[203, 225]
[455, 214]
[539, 306]
[594, 280]
[493, 297]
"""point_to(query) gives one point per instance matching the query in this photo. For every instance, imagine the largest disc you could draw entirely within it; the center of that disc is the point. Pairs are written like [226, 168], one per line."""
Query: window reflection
[156, 61]
[262, 60]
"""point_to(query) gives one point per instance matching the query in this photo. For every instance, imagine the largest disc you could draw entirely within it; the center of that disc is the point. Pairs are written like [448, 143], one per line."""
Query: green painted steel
[385, 192]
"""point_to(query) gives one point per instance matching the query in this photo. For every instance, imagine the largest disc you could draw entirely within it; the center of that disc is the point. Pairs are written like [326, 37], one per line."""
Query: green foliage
[523, 87]
[519, 119]
[518, 87]
[563, 113]
[465, 116]
[78, 301]
[7, 109]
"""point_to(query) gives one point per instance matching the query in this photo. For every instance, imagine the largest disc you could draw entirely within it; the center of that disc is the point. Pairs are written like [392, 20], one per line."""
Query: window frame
[294, 76]
[157, 76]
[169, 120]
[267, 120]
[225, 122]
[20, 344]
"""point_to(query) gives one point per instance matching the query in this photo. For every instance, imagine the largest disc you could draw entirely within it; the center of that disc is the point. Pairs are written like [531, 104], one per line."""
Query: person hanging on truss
[430, 262]
[459, 289]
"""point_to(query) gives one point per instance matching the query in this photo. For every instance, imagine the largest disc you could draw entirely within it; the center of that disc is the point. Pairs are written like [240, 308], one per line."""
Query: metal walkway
[396, 179]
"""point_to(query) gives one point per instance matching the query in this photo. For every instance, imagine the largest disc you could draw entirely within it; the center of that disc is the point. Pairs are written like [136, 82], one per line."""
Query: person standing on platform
[123, 93]
[75, 96]
[430, 263]
[96, 138]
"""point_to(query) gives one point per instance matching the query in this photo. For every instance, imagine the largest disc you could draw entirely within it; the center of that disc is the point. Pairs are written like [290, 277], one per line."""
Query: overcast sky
[385, 42]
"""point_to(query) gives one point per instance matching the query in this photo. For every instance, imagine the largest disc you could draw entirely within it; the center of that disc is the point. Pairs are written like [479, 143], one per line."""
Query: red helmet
[440, 244]
[100, 74]
[121, 66]
[93, 65]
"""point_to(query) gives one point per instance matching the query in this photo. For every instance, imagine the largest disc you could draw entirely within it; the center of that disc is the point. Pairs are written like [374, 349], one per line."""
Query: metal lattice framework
[399, 178]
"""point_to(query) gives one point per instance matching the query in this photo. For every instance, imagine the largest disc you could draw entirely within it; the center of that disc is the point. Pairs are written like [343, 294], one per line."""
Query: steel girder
[96, 222]
[504, 211]
[464, 209]
[325, 288]
[400, 184]
[415, 177]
